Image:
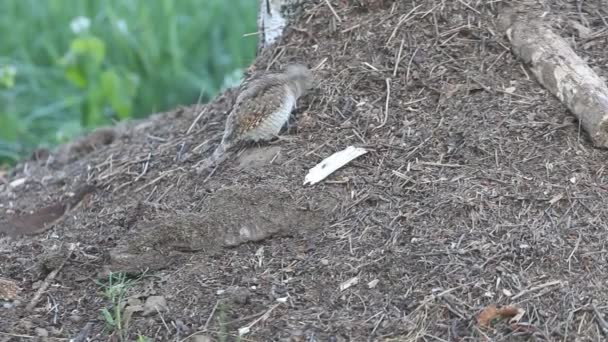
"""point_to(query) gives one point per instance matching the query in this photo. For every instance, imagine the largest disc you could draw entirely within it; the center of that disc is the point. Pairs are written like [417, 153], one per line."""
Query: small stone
[201, 338]
[41, 332]
[182, 328]
[75, 318]
[134, 301]
[25, 324]
[154, 303]
[297, 336]
[237, 294]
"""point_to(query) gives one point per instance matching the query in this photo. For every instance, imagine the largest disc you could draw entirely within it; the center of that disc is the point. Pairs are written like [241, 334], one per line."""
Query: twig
[403, 19]
[245, 329]
[32, 337]
[333, 11]
[162, 319]
[409, 66]
[84, 333]
[578, 242]
[47, 282]
[155, 180]
[211, 315]
[205, 327]
[600, 320]
[388, 97]
[198, 117]
[378, 323]
[536, 288]
[440, 164]
[469, 6]
[398, 57]
[143, 172]
[200, 114]
[210, 174]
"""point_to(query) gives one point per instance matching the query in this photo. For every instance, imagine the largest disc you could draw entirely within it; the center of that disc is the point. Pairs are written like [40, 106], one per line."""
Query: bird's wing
[256, 87]
[251, 111]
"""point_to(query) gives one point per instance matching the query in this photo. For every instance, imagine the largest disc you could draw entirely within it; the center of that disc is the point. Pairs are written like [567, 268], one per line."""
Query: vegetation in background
[69, 66]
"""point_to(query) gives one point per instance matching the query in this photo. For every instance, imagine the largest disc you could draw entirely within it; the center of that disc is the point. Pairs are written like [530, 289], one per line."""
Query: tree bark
[273, 17]
[561, 71]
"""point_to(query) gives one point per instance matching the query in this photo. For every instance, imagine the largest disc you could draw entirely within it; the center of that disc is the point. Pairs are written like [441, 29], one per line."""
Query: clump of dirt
[479, 189]
[228, 218]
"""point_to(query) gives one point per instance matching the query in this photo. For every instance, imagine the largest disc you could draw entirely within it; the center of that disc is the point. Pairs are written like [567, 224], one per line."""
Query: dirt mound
[479, 189]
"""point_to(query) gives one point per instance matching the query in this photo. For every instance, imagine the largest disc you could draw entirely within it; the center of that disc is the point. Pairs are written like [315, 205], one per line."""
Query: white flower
[122, 26]
[8, 71]
[7, 76]
[80, 24]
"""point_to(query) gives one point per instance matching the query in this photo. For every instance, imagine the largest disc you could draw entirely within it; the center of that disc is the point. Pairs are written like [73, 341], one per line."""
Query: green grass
[114, 315]
[136, 58]
[114, 292]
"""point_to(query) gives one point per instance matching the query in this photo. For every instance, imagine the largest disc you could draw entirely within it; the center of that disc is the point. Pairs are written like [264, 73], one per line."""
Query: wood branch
[561, 71]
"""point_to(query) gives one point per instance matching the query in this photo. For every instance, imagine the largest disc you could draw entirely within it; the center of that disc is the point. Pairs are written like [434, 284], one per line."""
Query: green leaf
[92, 115]
[118, 92]
[68, 130]
[131, 83]
[9, 151]
[75, 75]
[123, 108]
[107, 316]
[91, 46]
[110, 82]
[10, 126]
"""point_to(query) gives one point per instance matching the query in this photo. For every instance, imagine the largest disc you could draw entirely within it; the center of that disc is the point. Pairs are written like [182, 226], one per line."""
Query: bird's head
[301, 76]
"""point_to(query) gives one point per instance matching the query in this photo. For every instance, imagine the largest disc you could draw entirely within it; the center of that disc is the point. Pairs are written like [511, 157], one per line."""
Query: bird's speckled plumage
[263, 108]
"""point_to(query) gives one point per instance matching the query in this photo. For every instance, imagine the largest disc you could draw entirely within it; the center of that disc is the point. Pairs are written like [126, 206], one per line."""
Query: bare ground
[479, 189]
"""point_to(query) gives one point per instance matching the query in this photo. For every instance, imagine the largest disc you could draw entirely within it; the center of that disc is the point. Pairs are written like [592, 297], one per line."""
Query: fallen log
[561, 71]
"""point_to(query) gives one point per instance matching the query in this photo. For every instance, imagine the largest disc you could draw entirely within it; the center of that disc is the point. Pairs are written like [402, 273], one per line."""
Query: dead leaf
[491, 312]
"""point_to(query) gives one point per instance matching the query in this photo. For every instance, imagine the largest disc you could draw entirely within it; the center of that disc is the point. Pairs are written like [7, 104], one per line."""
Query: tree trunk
[561, 71]
[273, 17]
